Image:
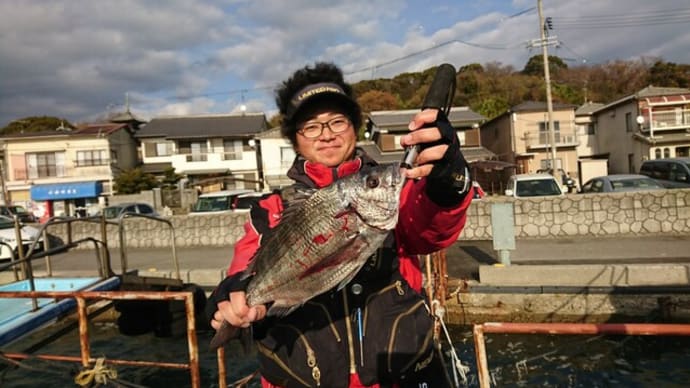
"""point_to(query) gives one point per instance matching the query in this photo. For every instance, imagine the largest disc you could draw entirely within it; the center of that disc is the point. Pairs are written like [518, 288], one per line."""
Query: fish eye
[373, 181]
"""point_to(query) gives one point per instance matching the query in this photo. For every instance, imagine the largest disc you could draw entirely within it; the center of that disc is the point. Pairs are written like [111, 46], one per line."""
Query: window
[164, 149]
[232, 150]
[591, 130]
[667, 152]
[196, 150]
[92, 158]
[657, 153]
[159, 148]
[544, 132]
[287, 156]
[628, 122]
[45, 164]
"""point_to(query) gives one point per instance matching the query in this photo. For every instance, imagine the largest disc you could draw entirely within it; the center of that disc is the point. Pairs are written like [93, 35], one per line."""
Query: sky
[82, 60]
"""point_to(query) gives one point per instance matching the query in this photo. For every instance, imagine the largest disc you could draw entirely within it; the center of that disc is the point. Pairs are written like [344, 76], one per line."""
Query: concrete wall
[590, 215]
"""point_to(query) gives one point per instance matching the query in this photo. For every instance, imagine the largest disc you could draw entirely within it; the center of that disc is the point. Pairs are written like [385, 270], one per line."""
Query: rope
[100, 373]
[456, 364]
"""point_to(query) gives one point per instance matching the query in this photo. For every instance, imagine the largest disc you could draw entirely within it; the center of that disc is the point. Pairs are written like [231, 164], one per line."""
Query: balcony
[37, 175]
[667, 120]
[541, 140]
[221, 161]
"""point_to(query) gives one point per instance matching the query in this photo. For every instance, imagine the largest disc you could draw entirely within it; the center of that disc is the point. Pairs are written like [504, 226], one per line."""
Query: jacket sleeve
[425, 227]
[264, 215]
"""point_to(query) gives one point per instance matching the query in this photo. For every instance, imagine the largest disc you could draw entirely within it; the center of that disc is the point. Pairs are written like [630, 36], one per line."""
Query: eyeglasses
[314, 129]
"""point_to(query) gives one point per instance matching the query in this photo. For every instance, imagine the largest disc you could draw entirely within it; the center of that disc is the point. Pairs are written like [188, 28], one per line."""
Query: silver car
[617, 183]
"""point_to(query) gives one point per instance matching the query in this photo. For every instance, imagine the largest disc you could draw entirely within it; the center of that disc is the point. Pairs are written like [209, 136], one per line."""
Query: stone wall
[590, 215]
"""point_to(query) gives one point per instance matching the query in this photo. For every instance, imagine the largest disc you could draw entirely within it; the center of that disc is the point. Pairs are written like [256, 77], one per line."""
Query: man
[320, 343]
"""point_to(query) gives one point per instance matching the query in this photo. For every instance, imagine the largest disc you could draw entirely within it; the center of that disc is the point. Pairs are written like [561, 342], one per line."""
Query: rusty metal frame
[86, 359]
[667, 329]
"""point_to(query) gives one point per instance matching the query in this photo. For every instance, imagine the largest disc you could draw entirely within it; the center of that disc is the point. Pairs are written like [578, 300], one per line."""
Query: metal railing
[85, 357]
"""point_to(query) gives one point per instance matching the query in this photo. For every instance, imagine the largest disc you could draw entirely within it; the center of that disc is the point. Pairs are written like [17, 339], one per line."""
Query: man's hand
[439, 158]
[424, 136]
[237, 312]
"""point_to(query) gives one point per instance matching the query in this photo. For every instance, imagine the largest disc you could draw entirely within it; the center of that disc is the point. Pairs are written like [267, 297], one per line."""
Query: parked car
[8, 237]
[533, 185]
[117, 211]
[567, 182]
[21, 213]
[217, 202]
[618, 183]
[672, 173]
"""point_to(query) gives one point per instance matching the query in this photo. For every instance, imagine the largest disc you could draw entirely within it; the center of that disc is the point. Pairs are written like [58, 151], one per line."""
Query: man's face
[328, 148]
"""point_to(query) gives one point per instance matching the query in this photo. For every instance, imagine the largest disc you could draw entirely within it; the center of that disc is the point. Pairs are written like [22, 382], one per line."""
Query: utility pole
[544, 42]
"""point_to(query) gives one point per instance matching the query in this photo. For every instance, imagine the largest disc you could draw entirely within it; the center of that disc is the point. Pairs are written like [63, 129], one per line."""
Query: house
[591, 162]
[277, 156]
[384, 129]
[67, 172]
[213, 152]
[650, 124]
[520, 136]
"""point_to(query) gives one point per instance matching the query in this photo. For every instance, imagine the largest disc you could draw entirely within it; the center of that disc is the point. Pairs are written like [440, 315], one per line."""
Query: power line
[631, 19]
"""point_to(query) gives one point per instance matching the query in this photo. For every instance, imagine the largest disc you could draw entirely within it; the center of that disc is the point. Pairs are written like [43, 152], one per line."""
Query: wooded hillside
[493, 88]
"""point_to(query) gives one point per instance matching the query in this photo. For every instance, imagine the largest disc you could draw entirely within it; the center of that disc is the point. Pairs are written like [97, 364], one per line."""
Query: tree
[36, 124]
[535, 65]
[170, 178]
[377, 100]
[134, 181]
[669, 74]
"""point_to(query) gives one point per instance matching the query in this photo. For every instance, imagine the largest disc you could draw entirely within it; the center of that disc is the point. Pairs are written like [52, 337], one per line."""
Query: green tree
[134, 181]
[535, 65]
[36, 124]
[669, 74]
[170, 178]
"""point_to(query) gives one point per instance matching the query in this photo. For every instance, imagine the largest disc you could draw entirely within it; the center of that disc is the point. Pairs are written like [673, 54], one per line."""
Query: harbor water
[514, 360]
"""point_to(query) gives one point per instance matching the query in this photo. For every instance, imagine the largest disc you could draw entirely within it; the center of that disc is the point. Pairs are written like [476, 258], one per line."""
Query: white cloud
[74, 59]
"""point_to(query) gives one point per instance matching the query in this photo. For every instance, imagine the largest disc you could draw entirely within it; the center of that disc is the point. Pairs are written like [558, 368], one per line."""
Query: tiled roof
[470, 153]
[98, 129]
[400, 118]
[587, 108]
[539, 106]
[652, 91]
[82, 130]
[245, 125]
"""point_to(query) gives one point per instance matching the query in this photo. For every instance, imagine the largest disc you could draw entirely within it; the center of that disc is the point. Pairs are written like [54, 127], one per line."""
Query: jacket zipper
[395, 328]
[330, 320]
[266, 352]
[350, 340]
[397, 285]
[311, 356]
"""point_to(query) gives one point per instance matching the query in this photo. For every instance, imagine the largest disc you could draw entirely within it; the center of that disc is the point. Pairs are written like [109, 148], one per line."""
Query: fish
[323, 239]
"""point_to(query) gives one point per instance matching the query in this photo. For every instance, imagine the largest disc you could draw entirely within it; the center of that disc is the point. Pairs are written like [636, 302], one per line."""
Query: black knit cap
[311, 85]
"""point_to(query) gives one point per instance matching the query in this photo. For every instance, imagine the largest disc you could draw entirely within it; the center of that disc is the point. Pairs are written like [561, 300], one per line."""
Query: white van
[533, 185]
[217, 202]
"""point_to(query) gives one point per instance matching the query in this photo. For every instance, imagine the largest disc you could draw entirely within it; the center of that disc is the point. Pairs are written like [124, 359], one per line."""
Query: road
[464, 257]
